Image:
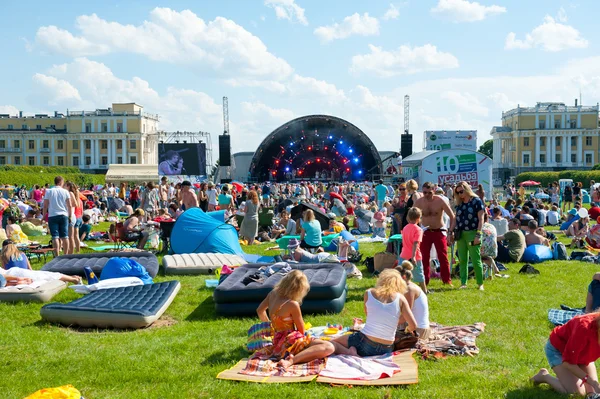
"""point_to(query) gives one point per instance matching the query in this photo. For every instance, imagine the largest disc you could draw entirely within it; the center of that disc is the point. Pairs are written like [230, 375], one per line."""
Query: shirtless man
[532, 237]
[433, 208]
[163, 192]
[188, 196]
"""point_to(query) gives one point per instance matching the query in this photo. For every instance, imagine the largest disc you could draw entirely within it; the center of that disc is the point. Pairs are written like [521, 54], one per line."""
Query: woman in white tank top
[385, 305]
[417, 300]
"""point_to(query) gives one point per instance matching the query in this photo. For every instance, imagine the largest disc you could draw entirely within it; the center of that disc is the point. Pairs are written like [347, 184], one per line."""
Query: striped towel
[269, 368]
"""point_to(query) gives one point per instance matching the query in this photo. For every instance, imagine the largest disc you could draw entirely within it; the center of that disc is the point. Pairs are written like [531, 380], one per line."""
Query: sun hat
[573, 212]
[293, 243]
[439, 190]
[379, 216]
[331, 215]
[583, 213]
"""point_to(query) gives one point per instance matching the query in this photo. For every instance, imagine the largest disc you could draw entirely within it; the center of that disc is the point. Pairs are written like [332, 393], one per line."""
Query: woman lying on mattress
[384, 306]
[18, 276]
[290, 346]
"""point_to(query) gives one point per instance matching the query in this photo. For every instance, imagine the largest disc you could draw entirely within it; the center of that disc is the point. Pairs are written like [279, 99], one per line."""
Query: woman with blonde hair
[412, 196]
[417, 300]
[12, 257]
[385, 306]
[467, 235]
[290, 346]
[310, 235]
[249, 227]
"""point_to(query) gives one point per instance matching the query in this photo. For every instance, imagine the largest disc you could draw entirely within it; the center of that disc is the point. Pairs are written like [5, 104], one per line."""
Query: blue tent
[199, 232]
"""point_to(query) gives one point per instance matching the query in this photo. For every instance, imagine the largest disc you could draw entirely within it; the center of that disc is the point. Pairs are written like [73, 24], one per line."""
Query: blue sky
[462, 62]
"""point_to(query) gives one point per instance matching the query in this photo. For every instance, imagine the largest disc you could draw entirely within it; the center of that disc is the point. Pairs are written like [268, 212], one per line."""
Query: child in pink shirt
[412, 235]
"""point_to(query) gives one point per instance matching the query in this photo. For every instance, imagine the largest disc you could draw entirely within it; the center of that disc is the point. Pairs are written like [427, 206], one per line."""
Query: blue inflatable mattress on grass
[74, 264]
[233, 297]
[124, 307]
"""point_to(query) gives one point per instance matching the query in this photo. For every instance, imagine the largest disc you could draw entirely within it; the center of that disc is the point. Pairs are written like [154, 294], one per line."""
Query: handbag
[404, 340]
[385, 260]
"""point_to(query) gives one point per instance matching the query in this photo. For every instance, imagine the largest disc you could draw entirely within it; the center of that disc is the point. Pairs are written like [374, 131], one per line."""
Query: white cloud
[9, 109]
[269, 85]
[391, 13]
[465, 102]
[59, 41]
[549, 36]
[287, 9]
[57, 90]
[465, 11]
[258, 108]
[562, 15]
[501, 100]
[301, 85]
[404, 60]
[174, 37]
[355, 24]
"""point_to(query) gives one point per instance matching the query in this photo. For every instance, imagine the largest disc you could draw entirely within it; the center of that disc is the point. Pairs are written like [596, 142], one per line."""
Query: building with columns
[89, 140]
[547, 137]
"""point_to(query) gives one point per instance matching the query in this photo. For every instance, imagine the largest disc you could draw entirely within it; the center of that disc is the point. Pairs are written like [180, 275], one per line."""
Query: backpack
[370, 264]
[559, 251]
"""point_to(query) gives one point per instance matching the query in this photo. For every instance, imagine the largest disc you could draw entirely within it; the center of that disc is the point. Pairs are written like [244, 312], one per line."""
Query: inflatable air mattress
[199, 263]
[327, 290]
[36, 292]
[126, 307]
[536, 253]
[74, 264]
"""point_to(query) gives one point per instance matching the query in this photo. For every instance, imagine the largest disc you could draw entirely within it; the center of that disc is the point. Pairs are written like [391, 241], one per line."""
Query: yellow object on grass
[63, 392]
[331, 331]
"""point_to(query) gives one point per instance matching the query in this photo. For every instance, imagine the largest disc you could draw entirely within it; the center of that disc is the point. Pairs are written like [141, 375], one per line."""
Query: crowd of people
[433, 219]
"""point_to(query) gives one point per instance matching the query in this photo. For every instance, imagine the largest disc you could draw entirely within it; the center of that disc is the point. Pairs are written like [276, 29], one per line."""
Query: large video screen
[182, 159]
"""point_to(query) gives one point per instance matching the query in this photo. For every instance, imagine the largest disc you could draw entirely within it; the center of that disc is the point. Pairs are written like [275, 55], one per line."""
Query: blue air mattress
[536, 253]
[327, 290]
[124, 307]
[74, 264]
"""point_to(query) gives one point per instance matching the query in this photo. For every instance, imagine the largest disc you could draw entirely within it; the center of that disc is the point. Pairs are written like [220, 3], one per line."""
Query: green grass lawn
[182, 360]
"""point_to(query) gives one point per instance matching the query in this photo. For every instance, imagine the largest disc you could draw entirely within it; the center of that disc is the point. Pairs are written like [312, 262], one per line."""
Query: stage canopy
[316, 144]
[132, 173]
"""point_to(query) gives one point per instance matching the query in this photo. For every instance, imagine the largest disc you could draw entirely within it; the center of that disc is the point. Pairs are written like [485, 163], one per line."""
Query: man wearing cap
[188, 196]
[433, 208]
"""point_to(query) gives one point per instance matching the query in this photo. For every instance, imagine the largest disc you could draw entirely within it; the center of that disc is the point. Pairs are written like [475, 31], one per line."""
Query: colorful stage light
[330, 137]
[318, 159]
[355, 160]
[350, 150]
[310, 148]
[341, 142]
[287, 168]
[360, 172]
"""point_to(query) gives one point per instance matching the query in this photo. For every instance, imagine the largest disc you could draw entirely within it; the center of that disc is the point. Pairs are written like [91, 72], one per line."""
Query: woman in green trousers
[467, 235]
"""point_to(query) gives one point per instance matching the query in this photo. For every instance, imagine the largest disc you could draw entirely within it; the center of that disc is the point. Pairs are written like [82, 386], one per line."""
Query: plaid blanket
[453, 340]
[268, 368]
[558, 317]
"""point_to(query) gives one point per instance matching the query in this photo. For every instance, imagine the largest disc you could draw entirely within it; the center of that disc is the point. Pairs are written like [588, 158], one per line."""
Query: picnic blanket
[558, 317]
[360, 368]
[269, 368]
[452, 340]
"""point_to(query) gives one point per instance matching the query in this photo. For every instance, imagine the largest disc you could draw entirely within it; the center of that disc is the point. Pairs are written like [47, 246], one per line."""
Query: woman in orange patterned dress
[290, 346]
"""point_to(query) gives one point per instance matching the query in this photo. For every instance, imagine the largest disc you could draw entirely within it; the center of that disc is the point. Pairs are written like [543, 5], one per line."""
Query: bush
[18, 175]
[583, 176]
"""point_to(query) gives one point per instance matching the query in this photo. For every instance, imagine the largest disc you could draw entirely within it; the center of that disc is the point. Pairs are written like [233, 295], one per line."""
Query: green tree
[487, 148]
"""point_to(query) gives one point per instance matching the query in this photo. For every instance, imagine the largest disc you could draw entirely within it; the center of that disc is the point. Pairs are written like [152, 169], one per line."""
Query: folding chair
[118, 236]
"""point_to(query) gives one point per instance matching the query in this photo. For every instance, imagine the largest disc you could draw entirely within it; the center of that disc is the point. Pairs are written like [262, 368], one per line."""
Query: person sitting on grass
[513, 249]
[12, 227]
[571, 351]
[335, 227]
[552, 217]
[12, 257]
[417, 301]
[384, 306]
[310, 236]
[578, 230]
[85, 229]
[290, 345]
[532, 237]
[592, 302]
